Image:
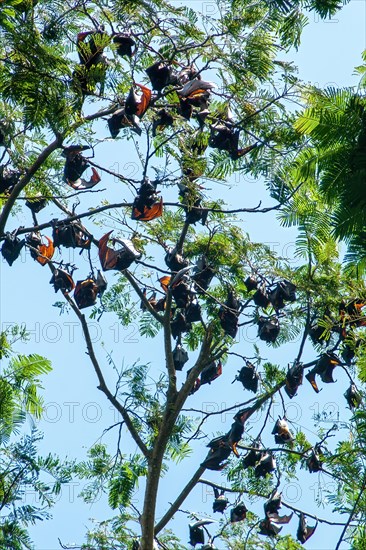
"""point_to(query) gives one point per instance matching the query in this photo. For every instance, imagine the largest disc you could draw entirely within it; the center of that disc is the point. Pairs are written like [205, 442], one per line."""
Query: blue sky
[76, 412]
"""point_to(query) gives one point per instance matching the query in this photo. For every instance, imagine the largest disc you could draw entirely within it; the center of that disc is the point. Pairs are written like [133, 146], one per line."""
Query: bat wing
[46, 250]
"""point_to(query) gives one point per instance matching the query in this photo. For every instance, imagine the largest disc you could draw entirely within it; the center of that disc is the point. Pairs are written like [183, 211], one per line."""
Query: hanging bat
[8, 179]
[304, 531]
[12, 247]
[273, 504]
[116, 259]
[251, 283]
[144, 213]
[195, 213]
[266, 465]
[283, 292]
[268, 329]
[253, 456]
[180, 357]
[269, 529]
[70, 235]
[135, 105]
[125, 44]
[175, 261]
[36, 203]
[229, 314]
[193, 312]
[218, 453]
[236, 431]
[43, 251]
[120, 120]
[163, 120]
[324, 368]
[239, 513]
[160, 75]
[275, 518]
[203, 274]
[353, 397]
[294, 379]
[248, 377]
[281, 431]
[62, 280]
[86, 292]
[313, 462]
[260, 298]
[75, 164]
[227, 139]
[179, 325]
[198, 99]
[220, 503]
[91, 51]
[211, 372]
[196, 532]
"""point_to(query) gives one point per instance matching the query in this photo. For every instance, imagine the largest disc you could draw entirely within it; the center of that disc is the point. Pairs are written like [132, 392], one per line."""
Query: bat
[294, 379]
[120, 120]
[180, 357]
[281, 432]
[70, 235]
[179, 325]
[203, 274]
[238, 513]
[135, 105]
[163, 120]
[218, 453]
[351, 313]
[273, 504]
[275, 518]
[313, 462]
[175, 261]
[196, 532]
[253, 456]
[325, 366]
[43, 251]
[195, 85]
[268, 329]
[248, 377]
[90, 51]
[318, 334]
[269, 529]
[86, 292]
[116, 259]
[193, 312]
[182, 294]
[229, 314]
[251, 283]
[266, 465]
[8, 179]
[36, 204]
[220, 503]
[304, 531]
[144, 213]
[75, 166]
[283, 292]
[125, 44]
[211, 372]
[62, 280]
[160, 75]
[353, 397]
[225, 138]
[198, 99]
[195, 213]
[260, 298]
[12, 247]
[236, 431]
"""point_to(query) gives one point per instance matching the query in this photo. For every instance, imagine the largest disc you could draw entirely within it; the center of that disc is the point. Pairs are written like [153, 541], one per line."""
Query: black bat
[248, 377]
[62, 280]
[125, 44]
[175, 261]
[294, 379]
[12, 247]
[266, 465]
[160, 75]
[179, 325]
[116, 259]
[70, 235]
[193, 312]
[36, 204]
[238, 513]
[253, 456]
[229, 315]
[251, 283]
[220, 503]
[203, 274]
[304, 531]
[281, 432]
[260, 298]
[268, 329]
[180, 357]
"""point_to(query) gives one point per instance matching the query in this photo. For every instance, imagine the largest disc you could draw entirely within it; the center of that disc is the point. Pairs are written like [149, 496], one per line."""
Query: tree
[22, 469]
[204, 98]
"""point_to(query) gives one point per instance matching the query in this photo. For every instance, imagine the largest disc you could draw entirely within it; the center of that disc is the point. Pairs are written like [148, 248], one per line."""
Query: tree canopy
[187, 100]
